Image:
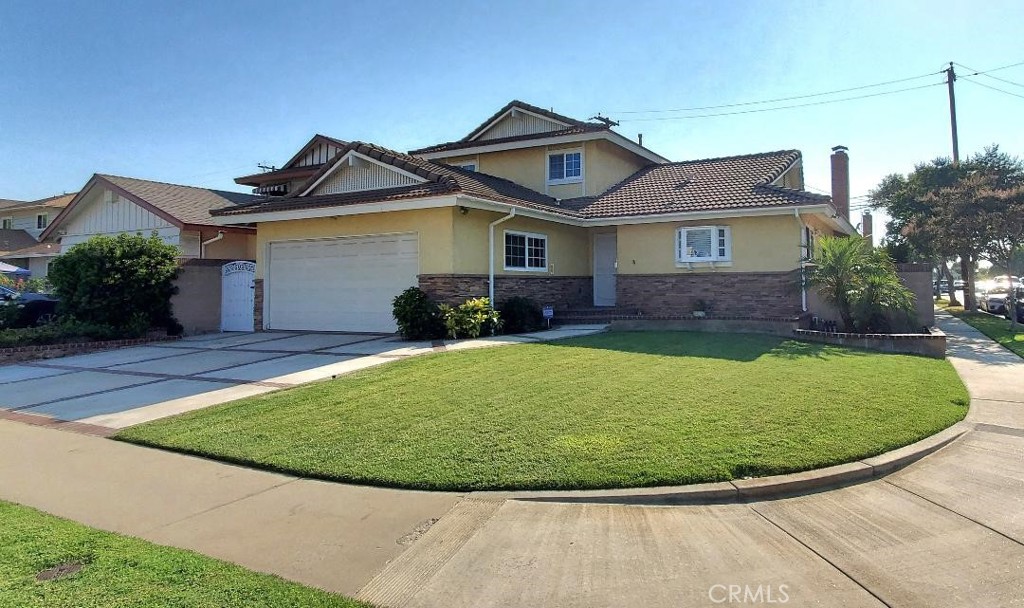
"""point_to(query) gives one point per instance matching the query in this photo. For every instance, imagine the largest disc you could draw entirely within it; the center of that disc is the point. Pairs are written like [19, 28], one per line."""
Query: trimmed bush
[70, 330]
[470, 319]
[520, 315]
[418, 317]
[123, 282]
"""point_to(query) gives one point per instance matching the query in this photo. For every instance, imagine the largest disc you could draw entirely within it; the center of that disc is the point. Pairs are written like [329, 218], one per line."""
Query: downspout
[804, 253]
[202, 246]
[490, 247]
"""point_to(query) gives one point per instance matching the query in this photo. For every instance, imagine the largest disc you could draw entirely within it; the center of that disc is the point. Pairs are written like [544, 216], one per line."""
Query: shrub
[862, 283]
[470, 319]
[520, 315]
[417, 315]
[124, 281]
[69, 330]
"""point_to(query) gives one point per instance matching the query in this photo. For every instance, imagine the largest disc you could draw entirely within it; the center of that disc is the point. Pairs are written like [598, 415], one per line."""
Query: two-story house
[21, 225]
[533, 203]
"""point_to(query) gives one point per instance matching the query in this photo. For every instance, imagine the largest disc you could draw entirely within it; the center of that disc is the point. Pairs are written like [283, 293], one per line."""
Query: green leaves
[861, 282]
[123, 281]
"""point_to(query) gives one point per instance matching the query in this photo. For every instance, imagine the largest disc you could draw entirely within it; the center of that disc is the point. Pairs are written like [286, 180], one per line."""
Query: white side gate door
[237, 296]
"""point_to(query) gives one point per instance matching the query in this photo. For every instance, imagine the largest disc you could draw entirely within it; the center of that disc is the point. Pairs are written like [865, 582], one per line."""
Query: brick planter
[52, 351]
[932, 344]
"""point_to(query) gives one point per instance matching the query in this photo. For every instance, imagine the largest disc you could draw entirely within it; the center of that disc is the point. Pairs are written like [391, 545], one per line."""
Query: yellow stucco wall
[434, 227]
[759, 244]
[604, 165]
[568, 246]
[233, 246]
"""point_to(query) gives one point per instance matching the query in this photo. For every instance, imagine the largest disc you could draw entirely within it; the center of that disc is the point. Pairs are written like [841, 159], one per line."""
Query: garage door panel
[343, 284]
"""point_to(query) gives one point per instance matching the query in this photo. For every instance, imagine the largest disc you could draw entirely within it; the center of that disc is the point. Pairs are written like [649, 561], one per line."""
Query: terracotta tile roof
[735, 182]
[188, 204]
[440, 179]
[13, 240]
[37, 250]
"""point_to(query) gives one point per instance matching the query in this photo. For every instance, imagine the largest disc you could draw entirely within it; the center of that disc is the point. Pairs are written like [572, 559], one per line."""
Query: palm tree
[861, 282]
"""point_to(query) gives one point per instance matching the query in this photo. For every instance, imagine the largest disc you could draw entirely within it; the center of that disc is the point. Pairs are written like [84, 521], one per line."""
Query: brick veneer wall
[545, 290]
[739, 294]
[257, 304]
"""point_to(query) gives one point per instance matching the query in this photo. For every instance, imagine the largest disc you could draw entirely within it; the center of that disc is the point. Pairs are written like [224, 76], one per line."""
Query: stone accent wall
[560, 292]
[16, 354]
[257, 305]
[730, 294]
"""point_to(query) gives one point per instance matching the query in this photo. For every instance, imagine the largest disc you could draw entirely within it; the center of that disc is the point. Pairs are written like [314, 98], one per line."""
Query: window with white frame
[8, 223]
[466, 166]
[565, 167]
[42, 220]
[525, 251]
[703, 244]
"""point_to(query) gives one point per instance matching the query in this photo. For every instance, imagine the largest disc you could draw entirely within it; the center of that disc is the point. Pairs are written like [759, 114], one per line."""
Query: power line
[982, 84]
[776, 100]
[789, 107]
[987, 74]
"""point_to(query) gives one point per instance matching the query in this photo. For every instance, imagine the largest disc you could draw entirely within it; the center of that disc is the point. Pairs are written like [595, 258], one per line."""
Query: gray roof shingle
[188, 204]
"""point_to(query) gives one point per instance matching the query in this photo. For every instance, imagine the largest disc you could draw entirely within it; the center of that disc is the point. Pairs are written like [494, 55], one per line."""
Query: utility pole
[966, 263]
[950, 79]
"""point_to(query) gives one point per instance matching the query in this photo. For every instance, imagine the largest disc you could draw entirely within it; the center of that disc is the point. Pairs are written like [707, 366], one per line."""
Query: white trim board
[346, 160]
[512, 112]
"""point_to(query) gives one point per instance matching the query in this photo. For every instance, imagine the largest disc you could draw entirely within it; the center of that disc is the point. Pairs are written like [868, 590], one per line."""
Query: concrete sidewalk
[945, 531]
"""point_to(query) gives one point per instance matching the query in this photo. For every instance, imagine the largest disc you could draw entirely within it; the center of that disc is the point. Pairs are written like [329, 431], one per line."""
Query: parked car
[941, 287]
[33, 308]
[958, 284]
[994, 302]
[1018, 306]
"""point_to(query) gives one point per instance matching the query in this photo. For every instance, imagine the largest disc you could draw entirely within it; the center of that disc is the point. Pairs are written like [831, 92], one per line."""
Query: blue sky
[200, 92]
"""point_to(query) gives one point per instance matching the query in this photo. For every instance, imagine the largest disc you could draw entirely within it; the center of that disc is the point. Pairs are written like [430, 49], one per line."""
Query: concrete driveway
[118, 388]
[129, 386]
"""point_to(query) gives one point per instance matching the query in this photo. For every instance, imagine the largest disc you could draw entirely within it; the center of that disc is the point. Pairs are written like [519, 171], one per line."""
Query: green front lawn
[121, 571]
[609, 410]
[997, 328]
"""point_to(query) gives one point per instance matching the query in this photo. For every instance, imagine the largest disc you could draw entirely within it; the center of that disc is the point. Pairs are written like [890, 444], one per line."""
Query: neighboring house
[21, 226]
[537, 204]
[180, 215]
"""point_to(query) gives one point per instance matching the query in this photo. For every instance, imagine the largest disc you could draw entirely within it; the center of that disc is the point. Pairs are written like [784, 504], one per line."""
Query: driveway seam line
[93, 394]
[66, 372]
[955, 512]
[96, 367]
[822, 557]
[220, 506]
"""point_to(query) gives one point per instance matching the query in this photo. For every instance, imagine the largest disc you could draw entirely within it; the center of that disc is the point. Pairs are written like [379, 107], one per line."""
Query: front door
[605, 255]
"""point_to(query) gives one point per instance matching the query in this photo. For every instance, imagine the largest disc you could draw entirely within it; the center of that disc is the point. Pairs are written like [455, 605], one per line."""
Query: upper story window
[526, 251]
[42, 220]
[565, 167]
[703, 244]
[8, 223]
[466, 166]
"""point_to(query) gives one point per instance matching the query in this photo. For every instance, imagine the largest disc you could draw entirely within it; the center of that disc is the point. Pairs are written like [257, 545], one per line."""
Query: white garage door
[342, 284]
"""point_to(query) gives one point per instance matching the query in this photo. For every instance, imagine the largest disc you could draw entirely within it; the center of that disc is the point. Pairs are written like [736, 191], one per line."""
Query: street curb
[758, 488]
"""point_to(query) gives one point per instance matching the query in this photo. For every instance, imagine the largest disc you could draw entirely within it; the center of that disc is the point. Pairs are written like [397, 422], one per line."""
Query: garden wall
[51, 351]
[932, 344]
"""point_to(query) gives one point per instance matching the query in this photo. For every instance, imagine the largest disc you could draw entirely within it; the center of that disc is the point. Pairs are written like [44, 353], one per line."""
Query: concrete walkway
[946, 531]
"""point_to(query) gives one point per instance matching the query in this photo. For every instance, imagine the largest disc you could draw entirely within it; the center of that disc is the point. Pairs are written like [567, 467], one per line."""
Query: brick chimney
[866, 228]
[841, 181]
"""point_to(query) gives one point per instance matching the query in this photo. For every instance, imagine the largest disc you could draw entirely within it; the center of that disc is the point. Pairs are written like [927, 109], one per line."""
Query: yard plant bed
[622, 409]
[50, 562]
[997, 328]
